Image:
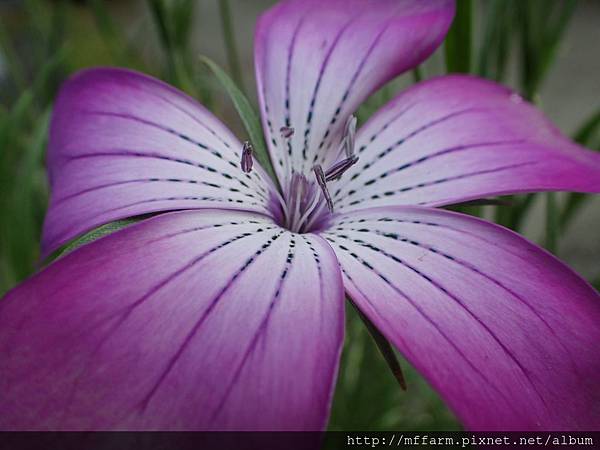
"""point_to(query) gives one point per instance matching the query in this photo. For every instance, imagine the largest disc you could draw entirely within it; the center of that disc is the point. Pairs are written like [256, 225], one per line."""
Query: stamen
[349, 133]
[286, 132]
[246, 162]
[323, 185]
[338, 169]
[298, 189]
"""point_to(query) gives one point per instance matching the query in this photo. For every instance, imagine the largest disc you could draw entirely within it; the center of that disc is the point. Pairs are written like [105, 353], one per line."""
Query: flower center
[305, 202]
[303, 207]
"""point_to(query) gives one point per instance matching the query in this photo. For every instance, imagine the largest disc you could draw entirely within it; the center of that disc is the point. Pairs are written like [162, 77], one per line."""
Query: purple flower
[226, 310]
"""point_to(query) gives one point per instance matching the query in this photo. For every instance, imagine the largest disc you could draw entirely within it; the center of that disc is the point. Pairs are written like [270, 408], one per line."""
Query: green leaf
[10, 58]
[519, 212]
[459, 39]
[497, 26]
[542, 26]
[23, 194]
[182, 19]
[588, 130]
[366, 394]
[417, 74]
[93, 235]
[372, 104]
[596, 283]
[173, 20]
[161, 21]
[247, 114]
[229, 37]
[117, 46]
[385, 348]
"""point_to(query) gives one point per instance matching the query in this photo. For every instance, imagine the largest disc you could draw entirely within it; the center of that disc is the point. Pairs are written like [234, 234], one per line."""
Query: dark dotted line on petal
[384, 219]
[456, 300]
[183, 198]
[189, 114]
[412, 134]
[259, 331]
[353, 80]
[135, 154]
[126, 312]
[288, 75]
[271, 130]
[217, 225]
[320, 273]
[436, 182]
[181, 136]
[375, 135]
[433, 156]
[152, 180]
[433, 224]
[144, 403]
[427, 223]
[423, 314]
[459, 261]
[313, 251]
[166, 199]
[309, 116]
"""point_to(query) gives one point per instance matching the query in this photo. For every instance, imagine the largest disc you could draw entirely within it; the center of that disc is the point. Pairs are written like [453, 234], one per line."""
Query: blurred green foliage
[43, 42]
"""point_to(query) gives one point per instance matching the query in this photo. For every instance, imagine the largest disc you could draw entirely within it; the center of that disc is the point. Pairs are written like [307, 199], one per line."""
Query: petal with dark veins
[457, 138]
[318, 60]
[195, 320]
[503, 330]
[125, 144]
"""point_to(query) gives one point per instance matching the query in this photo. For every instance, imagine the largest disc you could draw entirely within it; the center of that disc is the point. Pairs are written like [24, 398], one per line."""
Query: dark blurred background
[548, 50]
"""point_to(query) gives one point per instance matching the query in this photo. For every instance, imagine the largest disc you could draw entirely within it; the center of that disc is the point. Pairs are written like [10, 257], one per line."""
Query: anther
[323, 185]
[338, 169]
[246, 162]
[286, 132]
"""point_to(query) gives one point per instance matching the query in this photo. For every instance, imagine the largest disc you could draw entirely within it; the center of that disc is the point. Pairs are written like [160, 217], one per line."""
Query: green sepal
[385, 348]
[95, 234]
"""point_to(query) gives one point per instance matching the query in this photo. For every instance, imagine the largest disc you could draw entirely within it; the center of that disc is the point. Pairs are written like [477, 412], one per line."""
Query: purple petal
[123, 144]
[317, 60]
[503, 330]
[457, 138]
[191, 320]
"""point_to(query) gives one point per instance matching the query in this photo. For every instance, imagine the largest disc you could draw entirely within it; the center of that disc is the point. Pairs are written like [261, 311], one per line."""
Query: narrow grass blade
[458, 42]
[247, 114]
[497, 26]
[586, 135]
[230, 45]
